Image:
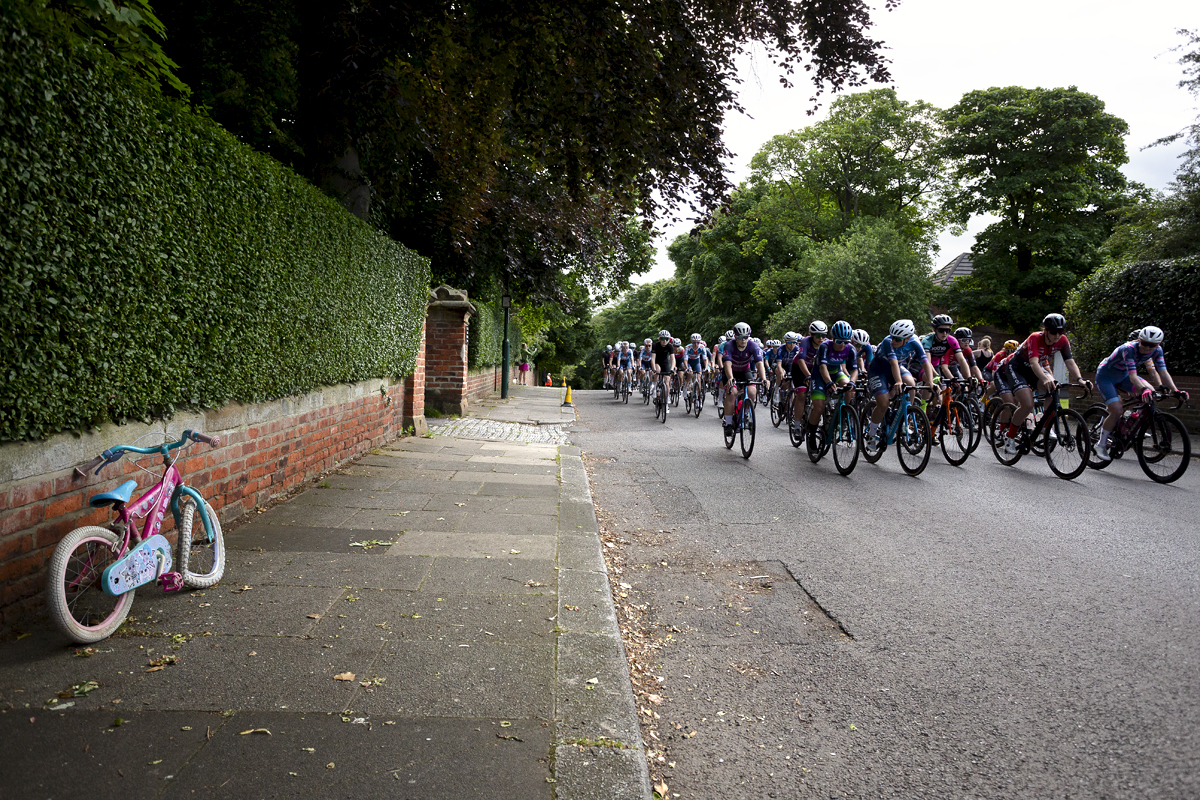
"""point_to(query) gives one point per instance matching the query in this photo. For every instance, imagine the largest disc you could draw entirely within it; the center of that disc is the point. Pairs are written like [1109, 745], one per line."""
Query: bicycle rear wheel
[974, 423]
[201, 560]
[1067, 444]
[913, 441]
[845, 439]
[814, 440]
[1163, 448]
[955, 434]
[776, 407]
[1094, 419]
[999, 428]
[74, 597]
[746, 435]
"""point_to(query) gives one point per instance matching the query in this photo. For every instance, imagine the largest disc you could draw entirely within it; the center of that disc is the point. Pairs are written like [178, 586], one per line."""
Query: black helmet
[1055, 323]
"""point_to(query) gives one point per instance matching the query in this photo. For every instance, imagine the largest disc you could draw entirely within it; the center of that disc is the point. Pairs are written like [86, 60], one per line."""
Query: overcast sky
[941, 49]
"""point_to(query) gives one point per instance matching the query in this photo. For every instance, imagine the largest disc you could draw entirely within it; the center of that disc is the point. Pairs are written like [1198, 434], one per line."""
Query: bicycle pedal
[171, 581]
[139, 566]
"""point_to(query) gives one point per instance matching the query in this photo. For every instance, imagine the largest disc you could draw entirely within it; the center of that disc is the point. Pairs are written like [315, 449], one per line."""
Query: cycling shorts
[1018, 377]
[799, 379]
[1109, 382]
[879, 384]
[740, 375]
[693, 364]
[819, 388]
[1000, 384]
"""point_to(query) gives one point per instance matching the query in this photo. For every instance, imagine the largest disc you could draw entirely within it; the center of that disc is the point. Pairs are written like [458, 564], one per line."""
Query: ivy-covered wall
[151, 262]
[1115, 299]
[485, 345]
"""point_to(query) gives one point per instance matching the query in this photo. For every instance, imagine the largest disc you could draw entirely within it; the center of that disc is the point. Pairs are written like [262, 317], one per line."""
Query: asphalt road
[978, 631]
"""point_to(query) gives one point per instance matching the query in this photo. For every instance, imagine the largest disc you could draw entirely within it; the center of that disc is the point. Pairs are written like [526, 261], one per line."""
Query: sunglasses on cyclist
[742, 338]
[819, 336]
[943, 330]
[841, 341]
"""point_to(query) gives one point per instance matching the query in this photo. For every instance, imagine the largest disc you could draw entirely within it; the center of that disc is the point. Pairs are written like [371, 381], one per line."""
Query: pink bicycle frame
[152, 506]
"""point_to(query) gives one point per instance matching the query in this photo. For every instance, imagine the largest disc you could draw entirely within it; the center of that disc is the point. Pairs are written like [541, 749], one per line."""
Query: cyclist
[695, 356]
[1119, 371]
[625, 362]
[663, 362]
[995, 369]
[644, 357]
[944, 349]
[966, 339]
[740, 357]
[804, 366]
[1024, 371]
[886, 373]
[607, 359]
[866, 352]
[837, 363]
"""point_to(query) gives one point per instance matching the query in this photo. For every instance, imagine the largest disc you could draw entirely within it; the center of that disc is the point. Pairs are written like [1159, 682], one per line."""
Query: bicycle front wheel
[76, 601]
[746, 435]
[955, 434]
[1163, 448]
[974, 423]
[999, 434]
[201, 559]
[913, 441]
[1067, 444]
[845, 440]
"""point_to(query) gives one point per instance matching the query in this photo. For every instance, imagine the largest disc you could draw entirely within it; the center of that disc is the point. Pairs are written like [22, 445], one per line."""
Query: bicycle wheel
[730, 433]
[1163, 448]
[999, 428]
[1094, 418]
[698, 404]
[201, 562]
[989, 415]
[845, 439]
[746, 434]
[776, 408]
[76, 601]
[913, 441]
[974, 423]
[872, 452]
[814, 441]
[1067, 444]
[954, 434]
[687, 401]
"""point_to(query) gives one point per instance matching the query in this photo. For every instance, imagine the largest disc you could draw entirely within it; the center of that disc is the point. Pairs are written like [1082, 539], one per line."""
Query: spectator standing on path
[984, 354]
[523, 371]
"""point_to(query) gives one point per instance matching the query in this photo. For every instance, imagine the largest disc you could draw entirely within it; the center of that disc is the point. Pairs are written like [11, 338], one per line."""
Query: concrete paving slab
[414, 486]
[35, 670]
[592, 710]
[361, 499]
[537, 468]
[463, 680]
[483, 576]
[308, 515]
[140, 758]
[262, 534]
[510, 478]
[501, 487]
[600, 773]
[526, 524]
[360, 571]
[257, 611]
[479, 546]
[492, 504]
[548, 460]
[337, 481]
[390, 520]
[425, 617]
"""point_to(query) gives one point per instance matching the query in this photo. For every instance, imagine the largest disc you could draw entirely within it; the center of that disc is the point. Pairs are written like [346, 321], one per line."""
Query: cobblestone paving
[476, 428]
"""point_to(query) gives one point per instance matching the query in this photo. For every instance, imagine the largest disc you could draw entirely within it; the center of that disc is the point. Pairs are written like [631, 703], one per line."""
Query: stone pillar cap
[450, 298]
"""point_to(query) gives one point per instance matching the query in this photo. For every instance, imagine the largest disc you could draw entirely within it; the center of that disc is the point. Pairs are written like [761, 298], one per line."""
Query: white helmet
[902, 329]
[664, 334]
[695, 337]
[860, 337]
[741, 331]
[608, 347]
[728, 335]
[818, 327]
[648, 342]
[791, 337]
[676, 341]
[721, 340]
[1151, 335]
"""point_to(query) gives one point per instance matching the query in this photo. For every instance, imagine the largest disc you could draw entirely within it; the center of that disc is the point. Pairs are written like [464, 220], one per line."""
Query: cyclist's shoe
[1102, 452]
[1010, 446]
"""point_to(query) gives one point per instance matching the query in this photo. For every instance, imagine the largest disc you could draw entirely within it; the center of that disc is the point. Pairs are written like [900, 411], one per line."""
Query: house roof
[959, 267]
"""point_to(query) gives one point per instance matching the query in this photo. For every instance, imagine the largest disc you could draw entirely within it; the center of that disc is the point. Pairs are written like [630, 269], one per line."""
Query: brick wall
[266, 449]
[482, 382]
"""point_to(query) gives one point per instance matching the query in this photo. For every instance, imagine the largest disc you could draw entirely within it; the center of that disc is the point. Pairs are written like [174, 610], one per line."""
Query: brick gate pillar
[412, 412]
[446, 319]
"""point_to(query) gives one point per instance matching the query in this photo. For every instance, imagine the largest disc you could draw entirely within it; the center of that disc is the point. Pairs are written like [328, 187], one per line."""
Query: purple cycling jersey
[844, 360]
[743, 360]
[1126, 358]
[808, 352]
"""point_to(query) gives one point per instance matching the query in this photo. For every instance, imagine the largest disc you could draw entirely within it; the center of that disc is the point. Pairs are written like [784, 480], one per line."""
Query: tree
[1047, 163]
[434, 119]
[870, 277]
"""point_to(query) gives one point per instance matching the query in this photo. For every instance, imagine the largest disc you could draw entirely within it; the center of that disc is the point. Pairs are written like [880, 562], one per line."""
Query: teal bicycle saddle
[121, 494]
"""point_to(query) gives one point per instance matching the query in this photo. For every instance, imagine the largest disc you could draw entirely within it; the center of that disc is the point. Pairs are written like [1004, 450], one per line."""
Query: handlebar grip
[82, 470]
[212, 441]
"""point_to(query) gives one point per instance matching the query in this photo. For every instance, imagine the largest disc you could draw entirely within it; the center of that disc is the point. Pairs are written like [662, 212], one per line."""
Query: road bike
[839, 429]
[623, 386]
[906, 425]
[952, 424]
[1160, 440]
[95, 570]
[1058, 434]
[781, 403]
[645, 389]
[742, 429]
[694, 397]
[662, 398]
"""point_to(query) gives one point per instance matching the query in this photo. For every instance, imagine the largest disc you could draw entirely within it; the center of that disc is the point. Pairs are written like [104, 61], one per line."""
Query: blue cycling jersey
[625, 359]
[867, 352]
[1126, 358]
[785, 354]
[844, 360]
[887, 352]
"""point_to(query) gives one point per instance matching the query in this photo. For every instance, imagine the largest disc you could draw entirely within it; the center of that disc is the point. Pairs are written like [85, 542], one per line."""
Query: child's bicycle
[95, 570]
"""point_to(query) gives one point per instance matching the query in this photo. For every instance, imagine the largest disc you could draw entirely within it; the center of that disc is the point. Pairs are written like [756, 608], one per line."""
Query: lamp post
[506, 304]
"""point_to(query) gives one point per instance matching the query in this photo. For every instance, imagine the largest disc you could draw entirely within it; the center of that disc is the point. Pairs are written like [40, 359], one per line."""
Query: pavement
[431, 621]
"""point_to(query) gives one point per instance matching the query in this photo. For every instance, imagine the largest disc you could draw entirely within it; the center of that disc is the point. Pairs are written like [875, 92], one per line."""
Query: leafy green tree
[1047, 163]
[870, 277]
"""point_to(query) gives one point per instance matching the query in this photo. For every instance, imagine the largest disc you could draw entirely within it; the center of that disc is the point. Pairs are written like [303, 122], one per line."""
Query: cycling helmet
[791, 337]
[695, 337]
[721, 340]
[728, 335]
[608, 347]
[842, 332]
[902, 329]
[860, 337]
[648, 342]
[943, 320]
[676, 342]
[963, 333]
[1011, 344]
[1054, 323]
[741, 330]
[1151, 335]
[818, 327]
[664, 334]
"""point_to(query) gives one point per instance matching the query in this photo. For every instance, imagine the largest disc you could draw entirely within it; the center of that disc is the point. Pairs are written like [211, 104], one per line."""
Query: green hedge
[1115, 299]
[485, 342]
[151, 262]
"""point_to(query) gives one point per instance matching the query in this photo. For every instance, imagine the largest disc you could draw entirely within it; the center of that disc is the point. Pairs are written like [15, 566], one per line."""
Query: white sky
[941, 49]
